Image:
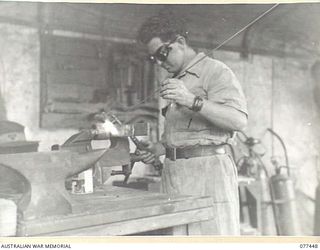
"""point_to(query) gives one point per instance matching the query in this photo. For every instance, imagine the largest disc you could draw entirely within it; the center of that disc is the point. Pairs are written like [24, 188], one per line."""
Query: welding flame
[110, 128]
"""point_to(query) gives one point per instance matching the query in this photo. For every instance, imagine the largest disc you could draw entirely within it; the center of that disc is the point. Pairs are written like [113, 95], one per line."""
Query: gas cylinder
[283, 192]
[267, 218]
[317, 213]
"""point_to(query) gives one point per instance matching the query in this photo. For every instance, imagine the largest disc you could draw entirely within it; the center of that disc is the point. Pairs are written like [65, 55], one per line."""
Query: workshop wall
[19, 76]
[20, 83]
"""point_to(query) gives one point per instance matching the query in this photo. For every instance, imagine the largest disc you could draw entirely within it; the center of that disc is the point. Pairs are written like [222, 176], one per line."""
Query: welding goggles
[162, 53]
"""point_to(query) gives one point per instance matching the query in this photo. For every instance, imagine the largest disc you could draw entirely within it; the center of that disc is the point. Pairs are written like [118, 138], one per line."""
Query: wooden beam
[73, 34]
[245, 44]
[42, 67]
[16, 21]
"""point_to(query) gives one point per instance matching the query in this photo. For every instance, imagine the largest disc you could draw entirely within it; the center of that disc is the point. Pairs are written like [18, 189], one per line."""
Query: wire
[284, 148]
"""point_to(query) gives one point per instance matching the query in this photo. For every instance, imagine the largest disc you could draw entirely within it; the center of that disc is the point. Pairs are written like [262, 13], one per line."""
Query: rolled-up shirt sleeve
[223, 87]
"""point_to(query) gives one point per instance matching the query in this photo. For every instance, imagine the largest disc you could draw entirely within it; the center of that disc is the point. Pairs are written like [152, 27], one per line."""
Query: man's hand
[174, 90]
[147, 146]
[149, 151]
[146, 151]
[145, 156]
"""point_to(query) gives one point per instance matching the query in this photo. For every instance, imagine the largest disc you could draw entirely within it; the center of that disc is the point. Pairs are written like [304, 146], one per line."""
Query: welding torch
[140, 146]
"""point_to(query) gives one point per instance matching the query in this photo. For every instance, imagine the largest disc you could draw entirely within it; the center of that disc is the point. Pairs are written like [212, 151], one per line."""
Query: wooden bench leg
[190, 229]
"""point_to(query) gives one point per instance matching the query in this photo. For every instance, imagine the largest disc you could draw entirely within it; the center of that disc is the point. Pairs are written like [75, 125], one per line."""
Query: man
[207, 106]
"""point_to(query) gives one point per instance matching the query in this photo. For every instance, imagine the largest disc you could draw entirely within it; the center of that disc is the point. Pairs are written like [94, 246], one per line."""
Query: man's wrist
[197, 104]
[191, 101]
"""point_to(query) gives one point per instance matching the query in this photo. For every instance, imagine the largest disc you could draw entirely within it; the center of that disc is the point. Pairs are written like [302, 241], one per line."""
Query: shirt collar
[194, 69]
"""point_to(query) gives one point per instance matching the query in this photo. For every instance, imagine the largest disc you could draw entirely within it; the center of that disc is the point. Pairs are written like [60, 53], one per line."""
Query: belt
[196, 151]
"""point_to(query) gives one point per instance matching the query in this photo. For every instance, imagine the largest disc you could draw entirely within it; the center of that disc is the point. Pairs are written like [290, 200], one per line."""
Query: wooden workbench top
[121, 211]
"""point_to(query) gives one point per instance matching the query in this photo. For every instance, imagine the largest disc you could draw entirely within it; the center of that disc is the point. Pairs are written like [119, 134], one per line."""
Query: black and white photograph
[140, 119]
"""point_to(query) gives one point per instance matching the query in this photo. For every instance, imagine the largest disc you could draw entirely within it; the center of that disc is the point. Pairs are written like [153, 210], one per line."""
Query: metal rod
[234, 35]
[219, 45]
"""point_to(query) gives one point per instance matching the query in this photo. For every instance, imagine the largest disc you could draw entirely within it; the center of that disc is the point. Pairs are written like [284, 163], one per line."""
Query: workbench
[123, 211]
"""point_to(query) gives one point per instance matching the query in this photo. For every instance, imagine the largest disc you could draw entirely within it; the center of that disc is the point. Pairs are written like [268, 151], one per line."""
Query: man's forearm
[223, 116]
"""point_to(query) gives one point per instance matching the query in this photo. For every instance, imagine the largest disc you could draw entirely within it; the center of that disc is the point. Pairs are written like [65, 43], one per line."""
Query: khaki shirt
[214, 81]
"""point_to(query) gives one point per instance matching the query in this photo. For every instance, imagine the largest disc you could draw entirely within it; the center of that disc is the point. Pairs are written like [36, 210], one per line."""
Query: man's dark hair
[165, 25]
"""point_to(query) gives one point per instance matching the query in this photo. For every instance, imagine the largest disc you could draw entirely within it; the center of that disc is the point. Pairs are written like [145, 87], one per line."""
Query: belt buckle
[172, 154]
